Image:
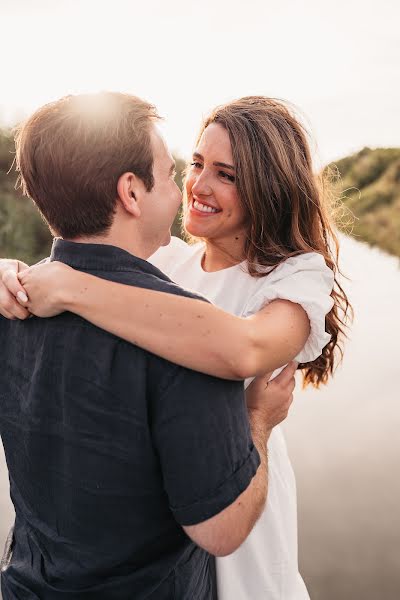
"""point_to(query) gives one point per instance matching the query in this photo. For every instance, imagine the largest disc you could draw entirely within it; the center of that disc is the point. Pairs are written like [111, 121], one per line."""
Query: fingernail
[23, 297]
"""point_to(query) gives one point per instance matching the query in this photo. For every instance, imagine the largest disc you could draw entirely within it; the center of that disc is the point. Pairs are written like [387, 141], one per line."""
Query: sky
[337, 63]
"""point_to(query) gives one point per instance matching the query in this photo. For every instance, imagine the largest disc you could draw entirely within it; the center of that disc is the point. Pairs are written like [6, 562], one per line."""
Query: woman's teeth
[199, 206]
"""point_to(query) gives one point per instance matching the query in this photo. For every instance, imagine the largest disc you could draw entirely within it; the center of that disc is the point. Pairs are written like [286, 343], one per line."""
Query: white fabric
[265, 566]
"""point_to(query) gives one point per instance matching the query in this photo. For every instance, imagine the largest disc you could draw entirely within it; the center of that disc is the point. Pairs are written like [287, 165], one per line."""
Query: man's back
[97, 453]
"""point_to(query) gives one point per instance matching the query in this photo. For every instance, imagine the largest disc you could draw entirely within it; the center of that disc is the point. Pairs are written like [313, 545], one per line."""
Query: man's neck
[132, 246]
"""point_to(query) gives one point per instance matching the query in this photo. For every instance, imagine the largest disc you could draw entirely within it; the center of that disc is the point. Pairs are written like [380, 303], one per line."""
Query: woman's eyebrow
[225, 165]
[216, 164]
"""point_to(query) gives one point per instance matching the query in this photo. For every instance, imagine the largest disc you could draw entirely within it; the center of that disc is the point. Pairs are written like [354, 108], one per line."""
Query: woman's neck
[220, 256]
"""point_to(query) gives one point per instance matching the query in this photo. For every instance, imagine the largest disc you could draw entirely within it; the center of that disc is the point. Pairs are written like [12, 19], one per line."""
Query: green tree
[22, 231]
[369, 184]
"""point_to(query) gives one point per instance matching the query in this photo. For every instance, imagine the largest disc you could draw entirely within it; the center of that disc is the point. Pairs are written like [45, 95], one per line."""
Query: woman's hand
[38, 288]
[272, 398]
[9, 305]
[43, 284]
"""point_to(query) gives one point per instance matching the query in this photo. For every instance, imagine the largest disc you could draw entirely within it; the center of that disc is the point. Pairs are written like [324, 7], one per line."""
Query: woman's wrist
[68, 289]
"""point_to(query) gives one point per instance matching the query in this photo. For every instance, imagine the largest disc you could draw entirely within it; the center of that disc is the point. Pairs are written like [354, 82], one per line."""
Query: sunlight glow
[340, 70]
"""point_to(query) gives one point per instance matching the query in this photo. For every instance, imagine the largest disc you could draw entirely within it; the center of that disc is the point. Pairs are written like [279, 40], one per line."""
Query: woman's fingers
[7, 314]
[13, 265]
[42, 284]
[21, 313]
[12, 283]
[11, 293]
[9, 306]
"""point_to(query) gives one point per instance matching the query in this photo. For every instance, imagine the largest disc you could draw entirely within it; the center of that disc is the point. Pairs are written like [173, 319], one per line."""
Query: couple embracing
[140, 403]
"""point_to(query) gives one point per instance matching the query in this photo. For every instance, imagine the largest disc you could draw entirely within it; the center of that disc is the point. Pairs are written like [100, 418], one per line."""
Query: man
[122, 483]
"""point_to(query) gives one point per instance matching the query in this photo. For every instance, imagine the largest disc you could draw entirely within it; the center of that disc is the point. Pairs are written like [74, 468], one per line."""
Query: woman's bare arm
[189, 332]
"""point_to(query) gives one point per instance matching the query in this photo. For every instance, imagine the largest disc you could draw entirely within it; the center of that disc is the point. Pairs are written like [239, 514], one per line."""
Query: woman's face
[213, 208]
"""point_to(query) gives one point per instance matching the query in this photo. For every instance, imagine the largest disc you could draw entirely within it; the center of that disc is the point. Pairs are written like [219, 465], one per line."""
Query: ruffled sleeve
[305, 280]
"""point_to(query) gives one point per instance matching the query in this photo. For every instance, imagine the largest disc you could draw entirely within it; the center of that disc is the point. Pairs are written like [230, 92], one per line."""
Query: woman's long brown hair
[288, 204]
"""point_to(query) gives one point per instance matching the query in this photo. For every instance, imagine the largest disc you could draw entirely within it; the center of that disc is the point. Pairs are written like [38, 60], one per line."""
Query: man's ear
[130, 191]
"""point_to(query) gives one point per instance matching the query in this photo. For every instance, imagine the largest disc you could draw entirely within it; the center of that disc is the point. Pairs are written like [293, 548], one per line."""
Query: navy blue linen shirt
[110, 449]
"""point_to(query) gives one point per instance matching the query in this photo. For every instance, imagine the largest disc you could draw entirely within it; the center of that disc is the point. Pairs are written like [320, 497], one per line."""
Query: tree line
[367, 183]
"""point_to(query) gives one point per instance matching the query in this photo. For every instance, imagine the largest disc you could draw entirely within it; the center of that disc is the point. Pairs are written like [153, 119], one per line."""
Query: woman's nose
[201, 186]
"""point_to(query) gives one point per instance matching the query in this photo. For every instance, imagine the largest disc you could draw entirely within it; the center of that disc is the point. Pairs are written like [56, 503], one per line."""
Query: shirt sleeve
[305, 280]
[201, 432]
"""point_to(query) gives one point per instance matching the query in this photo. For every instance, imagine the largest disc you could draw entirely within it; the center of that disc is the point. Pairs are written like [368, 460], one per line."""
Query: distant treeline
[23, 234]
[367, 182]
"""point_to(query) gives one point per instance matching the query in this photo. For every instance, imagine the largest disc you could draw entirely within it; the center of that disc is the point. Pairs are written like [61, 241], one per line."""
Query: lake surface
[344, 442]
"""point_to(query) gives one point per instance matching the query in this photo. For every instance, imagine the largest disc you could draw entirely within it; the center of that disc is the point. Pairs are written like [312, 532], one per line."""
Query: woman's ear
[130, 191]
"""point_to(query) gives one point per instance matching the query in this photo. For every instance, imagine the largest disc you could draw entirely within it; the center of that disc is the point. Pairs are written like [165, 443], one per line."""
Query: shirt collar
[100, 257]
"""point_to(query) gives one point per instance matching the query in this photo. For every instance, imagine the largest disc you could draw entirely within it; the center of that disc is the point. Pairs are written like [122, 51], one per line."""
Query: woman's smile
[214, 210]
[203, 209]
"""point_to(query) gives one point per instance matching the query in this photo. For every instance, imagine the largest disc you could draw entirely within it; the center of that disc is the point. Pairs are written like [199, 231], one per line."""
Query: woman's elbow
[246, 369]
[250, 363]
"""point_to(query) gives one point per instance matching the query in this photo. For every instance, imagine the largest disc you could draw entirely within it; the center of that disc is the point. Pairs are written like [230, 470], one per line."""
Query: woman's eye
[227, 176]
[196, 165]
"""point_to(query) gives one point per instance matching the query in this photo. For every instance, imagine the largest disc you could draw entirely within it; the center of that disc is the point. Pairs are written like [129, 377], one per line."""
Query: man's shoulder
[152, 279]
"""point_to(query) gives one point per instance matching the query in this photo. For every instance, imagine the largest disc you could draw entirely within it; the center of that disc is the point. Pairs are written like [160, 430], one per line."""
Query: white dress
[265, 567]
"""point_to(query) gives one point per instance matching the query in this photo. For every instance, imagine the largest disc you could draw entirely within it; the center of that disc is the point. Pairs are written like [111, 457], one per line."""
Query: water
[345, 446]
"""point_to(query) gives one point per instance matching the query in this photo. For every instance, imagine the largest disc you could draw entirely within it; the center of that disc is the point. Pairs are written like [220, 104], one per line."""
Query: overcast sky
[338, 62]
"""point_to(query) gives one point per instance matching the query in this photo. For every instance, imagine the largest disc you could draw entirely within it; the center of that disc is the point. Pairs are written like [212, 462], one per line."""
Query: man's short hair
[71, 153]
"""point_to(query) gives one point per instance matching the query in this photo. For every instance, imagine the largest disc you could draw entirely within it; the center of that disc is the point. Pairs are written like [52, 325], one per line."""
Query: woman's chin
[194, 229]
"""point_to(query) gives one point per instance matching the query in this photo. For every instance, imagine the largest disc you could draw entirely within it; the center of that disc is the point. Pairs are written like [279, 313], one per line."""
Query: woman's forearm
[189, 332]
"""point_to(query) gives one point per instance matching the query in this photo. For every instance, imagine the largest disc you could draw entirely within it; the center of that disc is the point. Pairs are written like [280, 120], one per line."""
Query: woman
[267, 256]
